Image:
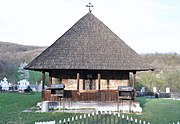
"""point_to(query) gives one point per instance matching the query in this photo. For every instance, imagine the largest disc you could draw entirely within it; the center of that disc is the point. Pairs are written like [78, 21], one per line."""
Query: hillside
[11, 55]
[18, 53]
[166, 74]
[163, 62]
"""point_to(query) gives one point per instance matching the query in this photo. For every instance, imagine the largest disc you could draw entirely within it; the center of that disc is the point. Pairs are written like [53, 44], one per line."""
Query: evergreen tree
[24, 74]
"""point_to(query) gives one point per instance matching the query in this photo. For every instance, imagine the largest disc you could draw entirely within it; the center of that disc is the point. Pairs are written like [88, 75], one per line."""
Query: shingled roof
[89, 44]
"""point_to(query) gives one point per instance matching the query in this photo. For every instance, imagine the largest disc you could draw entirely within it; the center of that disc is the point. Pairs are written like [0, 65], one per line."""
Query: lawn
[12, 105]
[160, 111]
[156, 111]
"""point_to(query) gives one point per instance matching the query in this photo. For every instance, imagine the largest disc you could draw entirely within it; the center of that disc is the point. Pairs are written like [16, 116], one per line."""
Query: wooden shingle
[89, 44]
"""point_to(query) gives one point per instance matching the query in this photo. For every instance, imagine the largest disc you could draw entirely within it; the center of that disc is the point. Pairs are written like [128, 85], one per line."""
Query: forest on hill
[12, 55]
[166, 74]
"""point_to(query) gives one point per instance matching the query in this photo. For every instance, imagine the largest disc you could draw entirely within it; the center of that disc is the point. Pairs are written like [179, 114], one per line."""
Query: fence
[102, 117]
[47, 122]
[5, 122]
[176, 123]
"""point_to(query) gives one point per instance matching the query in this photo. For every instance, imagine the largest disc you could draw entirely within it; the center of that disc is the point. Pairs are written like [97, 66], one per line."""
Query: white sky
[147, 26]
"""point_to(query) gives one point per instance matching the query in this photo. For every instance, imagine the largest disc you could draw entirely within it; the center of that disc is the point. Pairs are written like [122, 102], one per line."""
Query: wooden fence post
[135, 121]
[80, 118]
[72, 120]
[140, 121]
[84, 118]
[109, 117]
[89, 118]
[122, 119]
[127, 119]
[119, 119]
[101, 117]
[114, 118]
[131, 120]
[76, 119]
[97, 113]
[105, 113]
[68, 120]
[92, 117]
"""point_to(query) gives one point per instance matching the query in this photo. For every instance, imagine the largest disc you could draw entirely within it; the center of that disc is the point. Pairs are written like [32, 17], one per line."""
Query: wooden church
[90, 60]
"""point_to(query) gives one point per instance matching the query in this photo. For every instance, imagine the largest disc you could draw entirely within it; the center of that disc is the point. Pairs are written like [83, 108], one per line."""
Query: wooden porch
[82, 95]
[96, 100]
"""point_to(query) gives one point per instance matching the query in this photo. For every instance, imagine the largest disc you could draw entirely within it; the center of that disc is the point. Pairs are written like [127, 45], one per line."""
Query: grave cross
[89, 5]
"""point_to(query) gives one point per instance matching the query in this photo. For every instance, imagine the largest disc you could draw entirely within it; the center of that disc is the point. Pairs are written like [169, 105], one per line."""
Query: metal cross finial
[89, 5]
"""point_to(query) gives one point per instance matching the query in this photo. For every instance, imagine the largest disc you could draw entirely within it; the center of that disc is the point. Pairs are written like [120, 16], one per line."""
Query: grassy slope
[12, 105]
[160, 110]
[156, 111]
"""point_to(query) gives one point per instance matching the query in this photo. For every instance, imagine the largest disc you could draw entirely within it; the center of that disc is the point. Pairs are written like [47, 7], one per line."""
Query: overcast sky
[147, 26]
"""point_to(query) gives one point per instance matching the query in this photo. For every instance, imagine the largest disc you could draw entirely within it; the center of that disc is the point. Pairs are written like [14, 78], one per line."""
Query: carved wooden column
[43, 83]
[78, 81]
[43, 79]
[99, 81]
[108, 84]
[134, 79]
[50, 79]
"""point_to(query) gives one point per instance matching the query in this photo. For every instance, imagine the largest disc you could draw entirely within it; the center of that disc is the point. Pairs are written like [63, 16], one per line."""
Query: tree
[24, 74]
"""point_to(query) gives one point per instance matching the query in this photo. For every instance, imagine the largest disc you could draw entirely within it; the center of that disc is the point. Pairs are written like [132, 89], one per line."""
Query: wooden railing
[83, 95]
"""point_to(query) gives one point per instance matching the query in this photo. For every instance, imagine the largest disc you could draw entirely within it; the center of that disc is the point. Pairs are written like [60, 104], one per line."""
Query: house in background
[90, 60]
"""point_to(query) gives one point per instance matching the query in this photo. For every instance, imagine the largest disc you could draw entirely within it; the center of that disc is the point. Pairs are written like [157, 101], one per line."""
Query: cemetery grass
[159, 110]
[156, 111]
[12, 105]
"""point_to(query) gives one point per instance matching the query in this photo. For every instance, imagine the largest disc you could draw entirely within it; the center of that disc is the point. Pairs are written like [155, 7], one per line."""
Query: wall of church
[71, 84]
[88, 80]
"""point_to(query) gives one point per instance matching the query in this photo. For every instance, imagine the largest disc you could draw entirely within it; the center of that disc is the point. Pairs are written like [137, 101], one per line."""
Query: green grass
[160, 110]
[156, 111]
[12, 105]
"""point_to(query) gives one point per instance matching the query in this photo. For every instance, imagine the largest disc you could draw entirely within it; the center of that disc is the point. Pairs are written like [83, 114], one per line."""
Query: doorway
[89, 84]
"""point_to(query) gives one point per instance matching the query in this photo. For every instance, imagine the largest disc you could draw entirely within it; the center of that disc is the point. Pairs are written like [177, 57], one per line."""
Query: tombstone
[34, 89]
[45, 106]
[5, 85]
[143, 89]
[154, 89]
[23, 84]
[167, 90]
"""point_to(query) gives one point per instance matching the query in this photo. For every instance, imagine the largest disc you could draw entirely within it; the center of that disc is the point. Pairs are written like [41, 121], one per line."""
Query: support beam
[134, 79]
[43, 83]
[50, 79]
[78, 81]
[128, 82]
[43, 79]
[107, 84]
[99, 81]
[60, 81]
